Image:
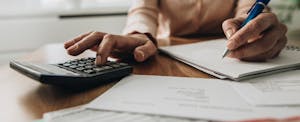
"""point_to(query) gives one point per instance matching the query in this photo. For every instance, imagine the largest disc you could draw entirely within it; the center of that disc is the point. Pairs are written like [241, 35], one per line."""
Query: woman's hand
[261, 39]
[106, 45]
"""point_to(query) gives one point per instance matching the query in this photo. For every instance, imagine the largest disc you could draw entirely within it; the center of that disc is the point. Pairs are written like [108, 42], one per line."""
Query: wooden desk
[24, 100]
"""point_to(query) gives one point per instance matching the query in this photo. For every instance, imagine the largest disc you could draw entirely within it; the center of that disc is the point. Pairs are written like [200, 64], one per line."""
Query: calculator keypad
[87, 66]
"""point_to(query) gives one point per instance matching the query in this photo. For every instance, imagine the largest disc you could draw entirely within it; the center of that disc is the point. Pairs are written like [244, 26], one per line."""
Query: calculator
[77, 74]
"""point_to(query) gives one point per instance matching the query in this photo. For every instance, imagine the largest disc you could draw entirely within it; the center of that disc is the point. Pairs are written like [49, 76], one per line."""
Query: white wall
[28, 24]
[26, 34]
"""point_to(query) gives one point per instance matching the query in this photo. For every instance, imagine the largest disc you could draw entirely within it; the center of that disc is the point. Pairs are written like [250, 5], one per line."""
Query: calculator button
[89, 63]
[115, 65]
[66, 64]
[89, 71]
[98, 69]
[110, 63]
[80, 68]
[107, 67]
[89, 67]
[73, 66]
[122, 64]
[81, 62]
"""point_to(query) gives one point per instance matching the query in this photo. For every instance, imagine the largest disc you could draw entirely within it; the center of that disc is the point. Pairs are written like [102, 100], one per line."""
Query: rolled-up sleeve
[142, 17]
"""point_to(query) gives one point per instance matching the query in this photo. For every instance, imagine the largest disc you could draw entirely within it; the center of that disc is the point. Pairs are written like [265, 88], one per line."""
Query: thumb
[145, 51]
[230, 26]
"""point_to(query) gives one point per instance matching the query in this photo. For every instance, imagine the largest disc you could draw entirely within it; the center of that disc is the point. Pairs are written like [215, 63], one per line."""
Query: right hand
[106, 45]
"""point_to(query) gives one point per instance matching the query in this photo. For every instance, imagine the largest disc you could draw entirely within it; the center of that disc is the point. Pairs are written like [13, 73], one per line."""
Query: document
[194, 98]
[280, 89]
[81, 114]
[207, 56]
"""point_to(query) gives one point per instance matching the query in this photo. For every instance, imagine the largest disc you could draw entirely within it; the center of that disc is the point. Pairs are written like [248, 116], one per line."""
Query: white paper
[81, 114]
[208, 55]
[277, 89]
[196, 98]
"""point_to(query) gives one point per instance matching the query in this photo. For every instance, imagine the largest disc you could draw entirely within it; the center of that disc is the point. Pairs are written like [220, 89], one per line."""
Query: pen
[255, 10]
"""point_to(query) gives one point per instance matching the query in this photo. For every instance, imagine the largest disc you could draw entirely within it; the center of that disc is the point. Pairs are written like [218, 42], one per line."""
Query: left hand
[259, 40]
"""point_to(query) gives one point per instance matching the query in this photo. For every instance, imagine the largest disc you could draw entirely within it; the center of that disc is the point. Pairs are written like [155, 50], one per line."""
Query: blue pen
[256, 9]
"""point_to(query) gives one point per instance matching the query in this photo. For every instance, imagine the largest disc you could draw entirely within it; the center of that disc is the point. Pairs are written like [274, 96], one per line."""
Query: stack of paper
[144, 98]
[194, 98]
[274, 90]
[82, 114]
[207, 56]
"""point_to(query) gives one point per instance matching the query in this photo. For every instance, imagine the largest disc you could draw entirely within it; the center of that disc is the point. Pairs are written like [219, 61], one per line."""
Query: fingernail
[229, 33]
[140, 55]
[98, 60]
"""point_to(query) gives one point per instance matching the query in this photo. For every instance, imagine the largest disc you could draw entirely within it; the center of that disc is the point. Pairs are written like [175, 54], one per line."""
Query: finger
[264, 44]
[115, 42]
[86, 43]
[274, 52]
[252, 29]
[143, 52]
[230, 26]
[75, 40]
[105, 49]
[278, 47]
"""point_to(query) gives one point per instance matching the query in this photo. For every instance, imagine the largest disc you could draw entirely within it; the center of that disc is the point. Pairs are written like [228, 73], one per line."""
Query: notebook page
[209, 55]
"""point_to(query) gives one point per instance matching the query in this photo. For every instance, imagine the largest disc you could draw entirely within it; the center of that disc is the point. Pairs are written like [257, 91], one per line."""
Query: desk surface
[24, 99]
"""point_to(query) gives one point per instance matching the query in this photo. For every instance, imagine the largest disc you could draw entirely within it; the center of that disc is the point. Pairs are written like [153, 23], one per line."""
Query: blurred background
[26, 25]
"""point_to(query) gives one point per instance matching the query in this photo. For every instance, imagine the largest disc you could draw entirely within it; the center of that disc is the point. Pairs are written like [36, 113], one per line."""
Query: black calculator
[78, 74]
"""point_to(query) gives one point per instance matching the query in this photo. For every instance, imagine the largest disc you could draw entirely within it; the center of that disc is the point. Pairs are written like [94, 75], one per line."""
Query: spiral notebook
[207, 57]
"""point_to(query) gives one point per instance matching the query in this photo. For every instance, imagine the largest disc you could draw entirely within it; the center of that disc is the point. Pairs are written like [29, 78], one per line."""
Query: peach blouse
[163, 18]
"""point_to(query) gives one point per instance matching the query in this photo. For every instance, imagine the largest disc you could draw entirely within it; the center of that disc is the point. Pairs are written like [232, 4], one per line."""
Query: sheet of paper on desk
[278, 89]
[81, 114]
[196, 98]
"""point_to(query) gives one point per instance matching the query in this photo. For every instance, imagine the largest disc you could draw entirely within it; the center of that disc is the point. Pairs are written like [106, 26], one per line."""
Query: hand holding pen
[256, 36]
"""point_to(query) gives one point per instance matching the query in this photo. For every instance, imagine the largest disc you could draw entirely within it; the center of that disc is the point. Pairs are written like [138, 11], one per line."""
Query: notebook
[207, 57]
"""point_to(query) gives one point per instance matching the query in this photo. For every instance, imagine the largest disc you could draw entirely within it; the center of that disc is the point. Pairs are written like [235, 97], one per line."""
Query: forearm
[142, 17]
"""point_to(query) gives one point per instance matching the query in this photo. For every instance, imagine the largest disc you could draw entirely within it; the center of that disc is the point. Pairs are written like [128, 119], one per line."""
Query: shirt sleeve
[142, 17]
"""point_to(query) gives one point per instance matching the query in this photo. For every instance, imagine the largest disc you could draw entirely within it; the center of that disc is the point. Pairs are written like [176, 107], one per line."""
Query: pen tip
[225, 54]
